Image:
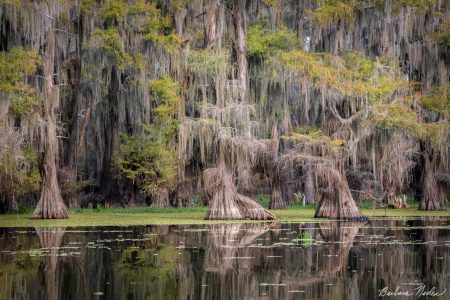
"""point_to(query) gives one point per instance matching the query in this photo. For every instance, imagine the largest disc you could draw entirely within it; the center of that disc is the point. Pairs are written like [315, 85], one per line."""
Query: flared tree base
[433, 194]
[337, 202]
[227, 204]
[50, 205]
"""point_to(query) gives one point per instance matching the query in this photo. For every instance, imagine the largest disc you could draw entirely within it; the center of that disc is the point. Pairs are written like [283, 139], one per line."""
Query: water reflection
[331, 260]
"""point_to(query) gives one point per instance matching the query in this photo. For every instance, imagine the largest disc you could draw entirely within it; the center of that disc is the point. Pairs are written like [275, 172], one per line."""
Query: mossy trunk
[337, 201]
[108, 187]
[51, 204]
[226, 203]
[73, 113]
[276, 194]
[309, 190]
[433, 194]
[162, 200]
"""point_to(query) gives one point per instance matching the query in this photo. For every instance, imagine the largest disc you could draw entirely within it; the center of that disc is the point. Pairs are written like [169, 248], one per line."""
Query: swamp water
[327, 260]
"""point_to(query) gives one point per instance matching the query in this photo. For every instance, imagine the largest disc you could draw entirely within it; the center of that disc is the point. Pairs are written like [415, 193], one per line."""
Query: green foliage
[443, 34]
[178, 5]
[88, 5]
[263, 200]
[329, 11]
[19, 174]
[420, 5]
[351, 75]
[165, 94]
[298, 197]
[15, 67]
[157, 27]
[438, 100]
[397, 116]
[305, 239]
[111, 42]
[196, 201]
[113, 10]
[149, 160]
[403, 117]
[207, 60]
[13, 2]
[313, 135]
[21, 105]
[263, 42]
[146, 161]
[333, 10]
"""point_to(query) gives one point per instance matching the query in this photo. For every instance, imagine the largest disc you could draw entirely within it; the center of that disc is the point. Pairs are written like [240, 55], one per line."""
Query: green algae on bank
[180, 216]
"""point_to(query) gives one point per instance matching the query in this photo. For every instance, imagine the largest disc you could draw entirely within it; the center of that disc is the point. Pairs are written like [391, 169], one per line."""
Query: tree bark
[309, 191]
[211, 30]
[108, 184]
[276, 195]
[71, 151]
[51, 204]
[245, 185]
[241, 52]
[337, 201]
[433, 195]
[226, 203]
[162, 200]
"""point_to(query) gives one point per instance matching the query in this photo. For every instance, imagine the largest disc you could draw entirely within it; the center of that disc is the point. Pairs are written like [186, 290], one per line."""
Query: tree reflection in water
[331, 260]
[50, 241]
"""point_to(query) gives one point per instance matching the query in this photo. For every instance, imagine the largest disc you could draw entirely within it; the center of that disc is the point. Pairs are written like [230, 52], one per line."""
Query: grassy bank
[169, 216]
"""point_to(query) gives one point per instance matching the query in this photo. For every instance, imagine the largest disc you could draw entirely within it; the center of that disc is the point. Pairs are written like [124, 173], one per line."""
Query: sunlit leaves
[438, 101]
[329, 11]
[351, 75]
[333, 10]
[156, 26]
[114, 10]
[262, 42]
[15, 67]
[165, 94]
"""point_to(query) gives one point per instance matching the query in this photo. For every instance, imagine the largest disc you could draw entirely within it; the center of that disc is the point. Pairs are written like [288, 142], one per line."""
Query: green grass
[179, 216]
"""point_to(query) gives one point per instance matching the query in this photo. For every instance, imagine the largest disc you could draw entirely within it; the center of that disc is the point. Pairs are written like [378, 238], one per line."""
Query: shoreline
[189, 216]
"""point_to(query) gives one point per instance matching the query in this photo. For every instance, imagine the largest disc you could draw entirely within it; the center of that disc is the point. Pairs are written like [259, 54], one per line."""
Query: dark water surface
[331, 260]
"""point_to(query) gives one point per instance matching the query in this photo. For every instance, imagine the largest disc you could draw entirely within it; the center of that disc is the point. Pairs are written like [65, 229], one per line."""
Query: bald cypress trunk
[309, 190]
[244, 180]
[73, 113]
[162, 200]
[276, 195]
[433, 195]
[108, 184]
[50, 205]
[337, 201]
[226, 203]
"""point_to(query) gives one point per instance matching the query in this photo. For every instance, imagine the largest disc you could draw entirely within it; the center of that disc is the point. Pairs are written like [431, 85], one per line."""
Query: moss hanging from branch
[111, 42]
[19, 175]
